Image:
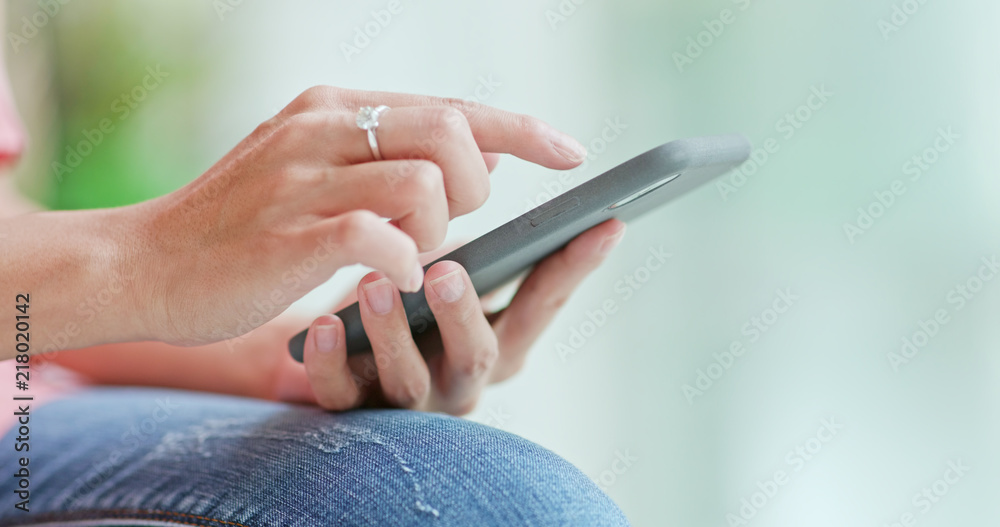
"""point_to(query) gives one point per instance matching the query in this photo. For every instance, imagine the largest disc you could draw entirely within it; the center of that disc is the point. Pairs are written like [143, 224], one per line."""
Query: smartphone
[625, 192]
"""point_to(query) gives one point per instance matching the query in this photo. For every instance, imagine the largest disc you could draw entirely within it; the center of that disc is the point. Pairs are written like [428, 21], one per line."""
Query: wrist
[137, 266]
[77, 269]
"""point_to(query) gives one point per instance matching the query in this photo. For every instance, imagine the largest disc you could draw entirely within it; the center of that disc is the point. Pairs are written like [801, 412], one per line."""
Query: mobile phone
[625, 192]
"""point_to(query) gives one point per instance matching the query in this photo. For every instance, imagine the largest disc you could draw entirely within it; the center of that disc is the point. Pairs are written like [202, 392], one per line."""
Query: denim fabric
[130, 456]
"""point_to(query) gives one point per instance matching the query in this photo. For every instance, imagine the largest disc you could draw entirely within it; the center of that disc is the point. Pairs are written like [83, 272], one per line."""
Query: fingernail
[449, 287]
[416, 279]
[379, 295]
[568, 147]
[611, 242]
[327, 337]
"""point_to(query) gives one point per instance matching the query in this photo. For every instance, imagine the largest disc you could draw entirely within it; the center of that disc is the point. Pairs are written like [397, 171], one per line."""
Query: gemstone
[367, 118]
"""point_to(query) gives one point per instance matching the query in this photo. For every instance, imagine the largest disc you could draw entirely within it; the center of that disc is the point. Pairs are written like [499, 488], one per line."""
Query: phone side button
[561, 208]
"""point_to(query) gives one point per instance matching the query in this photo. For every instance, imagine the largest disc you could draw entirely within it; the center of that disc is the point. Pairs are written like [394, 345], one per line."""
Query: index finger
[495, 130]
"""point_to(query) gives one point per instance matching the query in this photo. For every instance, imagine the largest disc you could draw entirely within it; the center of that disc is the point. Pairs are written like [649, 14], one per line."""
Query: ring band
[367, 120]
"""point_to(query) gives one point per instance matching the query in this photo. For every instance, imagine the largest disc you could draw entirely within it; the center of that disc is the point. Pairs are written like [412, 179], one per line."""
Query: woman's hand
[302, 197]
[467, 351]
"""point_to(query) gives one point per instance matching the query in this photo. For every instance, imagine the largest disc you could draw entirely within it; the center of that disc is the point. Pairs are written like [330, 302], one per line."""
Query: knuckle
[319, 96]
[356, 226]
[461, 105]
[409, 392]
[425, 180]
[446, 121]
[481, 360]
[470, 197]
[479, 193]
[268, 127]
[473, 197]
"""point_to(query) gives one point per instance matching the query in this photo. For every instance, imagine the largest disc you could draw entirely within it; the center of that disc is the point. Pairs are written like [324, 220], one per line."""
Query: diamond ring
[368, 120]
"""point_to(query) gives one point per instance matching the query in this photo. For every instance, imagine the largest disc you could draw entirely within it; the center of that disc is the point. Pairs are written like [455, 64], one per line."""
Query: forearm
[78, 275]
[211, 368]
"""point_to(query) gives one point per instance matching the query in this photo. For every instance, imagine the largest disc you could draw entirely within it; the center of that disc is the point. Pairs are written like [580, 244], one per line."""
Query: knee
[473, 474]
[271, 464]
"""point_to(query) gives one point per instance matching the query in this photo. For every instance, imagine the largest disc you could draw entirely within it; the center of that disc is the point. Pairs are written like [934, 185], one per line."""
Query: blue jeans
[131, 456]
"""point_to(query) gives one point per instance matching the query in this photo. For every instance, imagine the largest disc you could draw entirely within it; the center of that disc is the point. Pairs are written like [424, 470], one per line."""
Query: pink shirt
[47, 382]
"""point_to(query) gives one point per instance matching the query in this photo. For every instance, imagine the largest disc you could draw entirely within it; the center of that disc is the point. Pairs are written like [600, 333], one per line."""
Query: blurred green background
[693, 460]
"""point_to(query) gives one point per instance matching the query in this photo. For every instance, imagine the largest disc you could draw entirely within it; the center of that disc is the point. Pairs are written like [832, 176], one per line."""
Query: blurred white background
[695, 458]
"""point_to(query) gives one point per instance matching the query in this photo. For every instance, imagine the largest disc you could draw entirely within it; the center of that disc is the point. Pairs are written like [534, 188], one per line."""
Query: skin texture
[303, 189]
[481, 349]
[298, 199]
[187, 290]
[468, 350]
